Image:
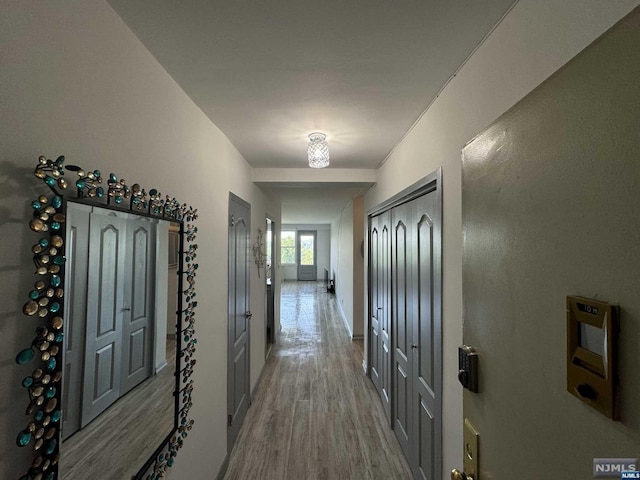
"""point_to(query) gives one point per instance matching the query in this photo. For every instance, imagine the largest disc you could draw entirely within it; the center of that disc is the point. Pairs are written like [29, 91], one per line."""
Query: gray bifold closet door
[406, 321]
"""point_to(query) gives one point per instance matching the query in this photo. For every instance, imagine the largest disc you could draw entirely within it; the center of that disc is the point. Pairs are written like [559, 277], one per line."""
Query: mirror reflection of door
[120, 337]
[307, 270]
[120, 296]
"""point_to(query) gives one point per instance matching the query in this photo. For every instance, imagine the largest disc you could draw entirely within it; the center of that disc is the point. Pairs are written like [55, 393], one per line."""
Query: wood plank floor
[315, 415]
[119, 441]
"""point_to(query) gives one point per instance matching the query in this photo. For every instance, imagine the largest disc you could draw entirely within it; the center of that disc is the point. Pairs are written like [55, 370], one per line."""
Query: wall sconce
[259, 254]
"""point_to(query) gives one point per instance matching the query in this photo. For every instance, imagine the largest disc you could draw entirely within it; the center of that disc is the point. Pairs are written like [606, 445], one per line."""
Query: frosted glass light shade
[318, 150]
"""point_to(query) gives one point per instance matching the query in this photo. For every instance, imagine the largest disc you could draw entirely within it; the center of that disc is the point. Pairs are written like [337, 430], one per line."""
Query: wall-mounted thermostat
[592, 329]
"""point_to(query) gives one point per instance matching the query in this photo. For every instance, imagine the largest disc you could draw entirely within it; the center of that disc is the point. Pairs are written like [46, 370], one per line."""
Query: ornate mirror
[113, 312]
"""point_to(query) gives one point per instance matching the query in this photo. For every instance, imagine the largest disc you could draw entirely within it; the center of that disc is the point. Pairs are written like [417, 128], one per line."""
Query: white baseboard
[344, 319]
[161, 367]
[364, 366]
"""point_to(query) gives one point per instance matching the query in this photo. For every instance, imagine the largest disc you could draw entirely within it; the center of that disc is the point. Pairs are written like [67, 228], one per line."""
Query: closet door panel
[138, 309]
[426, 335]
[375, 308]
[385, 310]
[402, 325]
[101, 385]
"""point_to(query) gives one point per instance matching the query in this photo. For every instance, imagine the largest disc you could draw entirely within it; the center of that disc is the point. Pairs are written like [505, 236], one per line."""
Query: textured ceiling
[269, 73]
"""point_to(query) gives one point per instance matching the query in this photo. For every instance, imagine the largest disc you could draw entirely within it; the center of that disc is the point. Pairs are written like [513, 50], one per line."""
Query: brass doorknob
[458, 475]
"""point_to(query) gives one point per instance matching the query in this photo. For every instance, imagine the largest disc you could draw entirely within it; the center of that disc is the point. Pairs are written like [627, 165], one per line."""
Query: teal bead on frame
[27, 382]
[36, 205]
[56, 201]
[39, 415]
[113, 178]
[55, 280]
[100, 192]
[55, 226]
[58, 260]
[51, 446]
[55, 306]
[55, 416]
[34, 295]
[118, 200]
[50, 392]
[51, 364]
[50, 181]
[43, 242]
[24, 356]
[24, 438]
[80, 184]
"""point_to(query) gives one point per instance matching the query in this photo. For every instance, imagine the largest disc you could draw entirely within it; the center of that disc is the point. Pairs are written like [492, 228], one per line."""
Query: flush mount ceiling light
[318, 150]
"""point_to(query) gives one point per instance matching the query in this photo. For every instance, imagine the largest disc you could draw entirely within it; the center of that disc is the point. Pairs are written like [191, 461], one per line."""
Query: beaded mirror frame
[46, 305]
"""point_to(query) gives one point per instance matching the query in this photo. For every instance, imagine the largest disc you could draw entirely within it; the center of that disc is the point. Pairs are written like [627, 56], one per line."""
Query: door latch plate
[471, 440]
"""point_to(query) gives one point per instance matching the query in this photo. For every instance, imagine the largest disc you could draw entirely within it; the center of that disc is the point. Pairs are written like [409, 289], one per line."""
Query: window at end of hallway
[288, 247]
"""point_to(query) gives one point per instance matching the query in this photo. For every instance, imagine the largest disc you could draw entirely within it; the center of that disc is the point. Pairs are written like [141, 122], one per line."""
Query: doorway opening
[270, 284]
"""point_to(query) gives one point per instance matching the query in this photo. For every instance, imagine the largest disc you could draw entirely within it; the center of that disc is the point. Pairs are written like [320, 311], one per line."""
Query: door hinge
[232, 221]
[229, 420]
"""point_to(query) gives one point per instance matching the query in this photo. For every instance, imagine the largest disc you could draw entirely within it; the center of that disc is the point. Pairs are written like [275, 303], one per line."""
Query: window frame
[294, 247]
[308, 233]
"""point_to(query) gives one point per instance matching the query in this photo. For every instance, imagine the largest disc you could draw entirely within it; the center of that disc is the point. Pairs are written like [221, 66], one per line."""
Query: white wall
[347, 234]
[76, 81]
[533, 41]
[359, 283]
[342, 263]
[323, 252]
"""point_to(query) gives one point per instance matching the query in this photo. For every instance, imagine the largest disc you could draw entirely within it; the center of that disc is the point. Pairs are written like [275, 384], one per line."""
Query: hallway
[315, 415]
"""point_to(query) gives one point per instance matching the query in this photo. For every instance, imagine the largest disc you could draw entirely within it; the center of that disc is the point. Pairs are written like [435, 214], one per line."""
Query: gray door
[427, 337]
[380, 250]
[238, 394]
[375, 345]
[550, 208]
[307, 252]
[416, 331]
[402, 327]
[101, 386]
[385, 311]
[138, 309]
